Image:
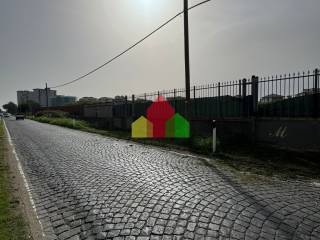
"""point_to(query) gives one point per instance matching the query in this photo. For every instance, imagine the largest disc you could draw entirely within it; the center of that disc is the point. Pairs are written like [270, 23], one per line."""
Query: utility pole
[47, 98]
[186, 57]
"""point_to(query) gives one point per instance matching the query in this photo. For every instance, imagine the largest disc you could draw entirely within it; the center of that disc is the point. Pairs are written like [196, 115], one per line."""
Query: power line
[131, 47]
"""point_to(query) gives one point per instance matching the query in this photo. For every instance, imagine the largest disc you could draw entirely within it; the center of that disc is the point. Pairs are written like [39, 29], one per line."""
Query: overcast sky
[55, 41]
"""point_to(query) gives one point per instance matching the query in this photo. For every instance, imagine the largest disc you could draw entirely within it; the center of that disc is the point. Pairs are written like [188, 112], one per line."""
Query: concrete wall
[90, 111]
[105, 111]
[98, 111]
[237, 131]
[292, 134]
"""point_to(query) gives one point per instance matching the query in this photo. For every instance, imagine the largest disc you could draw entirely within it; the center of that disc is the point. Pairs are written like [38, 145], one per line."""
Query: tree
[28, 107]
[11, 107]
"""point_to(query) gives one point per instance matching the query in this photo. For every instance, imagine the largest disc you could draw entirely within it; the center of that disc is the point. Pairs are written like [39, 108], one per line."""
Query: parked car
[6, 115]
[19, 116]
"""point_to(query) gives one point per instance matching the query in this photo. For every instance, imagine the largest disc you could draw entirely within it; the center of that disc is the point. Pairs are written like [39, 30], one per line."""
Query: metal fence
[288, 95]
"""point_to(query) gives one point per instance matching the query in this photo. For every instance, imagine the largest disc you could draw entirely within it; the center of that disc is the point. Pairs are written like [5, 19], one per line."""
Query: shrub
[63, 122]
[202, 144]
[69, 123]
[52, 114]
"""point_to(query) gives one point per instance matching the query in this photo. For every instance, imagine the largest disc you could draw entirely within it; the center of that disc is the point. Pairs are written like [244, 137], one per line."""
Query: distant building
[119, 99]
[23, 97]
[38, 95]
[271, 98]
[105, 100]
[88, 100]
[306, 92]
[59, 100]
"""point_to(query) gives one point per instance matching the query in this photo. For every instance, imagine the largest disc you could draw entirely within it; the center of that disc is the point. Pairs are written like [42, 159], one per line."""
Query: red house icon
[158, 113]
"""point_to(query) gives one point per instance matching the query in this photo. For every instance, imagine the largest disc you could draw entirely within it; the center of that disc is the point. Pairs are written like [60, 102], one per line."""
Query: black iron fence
[291, 95]
[288, 95]
[206, 101]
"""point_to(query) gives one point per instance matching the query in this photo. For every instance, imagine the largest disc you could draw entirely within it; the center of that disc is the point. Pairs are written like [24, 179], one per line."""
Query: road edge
[23, 191]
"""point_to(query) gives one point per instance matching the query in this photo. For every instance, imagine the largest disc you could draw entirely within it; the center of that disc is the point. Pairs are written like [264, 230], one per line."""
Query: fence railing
[292, 95]
[288, 95]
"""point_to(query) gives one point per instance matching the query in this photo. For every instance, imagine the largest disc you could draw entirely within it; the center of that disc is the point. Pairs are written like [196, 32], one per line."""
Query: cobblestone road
[90, 187]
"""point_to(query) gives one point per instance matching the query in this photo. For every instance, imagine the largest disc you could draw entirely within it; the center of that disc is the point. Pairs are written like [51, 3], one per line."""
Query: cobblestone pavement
[87, 186]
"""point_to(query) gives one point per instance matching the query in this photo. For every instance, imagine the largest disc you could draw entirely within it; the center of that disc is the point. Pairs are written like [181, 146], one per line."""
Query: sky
[56, 41]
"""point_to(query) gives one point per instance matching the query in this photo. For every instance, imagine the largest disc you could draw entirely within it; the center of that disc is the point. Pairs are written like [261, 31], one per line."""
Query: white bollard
[214, 137]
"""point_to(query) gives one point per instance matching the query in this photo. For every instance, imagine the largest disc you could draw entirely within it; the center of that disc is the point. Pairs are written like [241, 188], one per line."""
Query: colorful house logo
[161, 122]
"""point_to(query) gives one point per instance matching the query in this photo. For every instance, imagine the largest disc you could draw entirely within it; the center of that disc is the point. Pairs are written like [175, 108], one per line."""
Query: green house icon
[177, 127]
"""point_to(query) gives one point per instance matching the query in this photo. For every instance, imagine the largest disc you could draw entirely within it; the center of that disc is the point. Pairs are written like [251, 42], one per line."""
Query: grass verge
[248, 161]
[12, 224]
[271, 162]
[198, 145]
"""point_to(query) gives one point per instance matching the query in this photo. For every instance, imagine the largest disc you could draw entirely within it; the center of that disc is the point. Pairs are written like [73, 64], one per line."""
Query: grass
[63, 122]
[198, 145]
[270, 162]
[249, 161]
[12, 224]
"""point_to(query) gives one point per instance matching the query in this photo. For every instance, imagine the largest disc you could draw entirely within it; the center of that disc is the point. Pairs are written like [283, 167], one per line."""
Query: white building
[38, 95]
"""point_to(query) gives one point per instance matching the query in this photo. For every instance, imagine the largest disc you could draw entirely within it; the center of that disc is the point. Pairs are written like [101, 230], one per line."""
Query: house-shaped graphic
[158, 113]
[161, 122]
[177, 127]
[142, 128]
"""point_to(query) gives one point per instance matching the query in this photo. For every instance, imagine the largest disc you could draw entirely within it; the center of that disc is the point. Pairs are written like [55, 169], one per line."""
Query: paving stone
[86, 186]
[158, 229]
[101, 235]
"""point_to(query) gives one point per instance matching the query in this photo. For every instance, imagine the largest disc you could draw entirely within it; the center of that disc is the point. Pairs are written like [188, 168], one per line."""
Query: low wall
[100, 123]
[291, 134]
[235, 131]
[98, 111]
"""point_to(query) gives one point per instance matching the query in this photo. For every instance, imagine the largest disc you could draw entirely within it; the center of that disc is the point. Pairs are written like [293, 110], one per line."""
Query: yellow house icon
[142, 128]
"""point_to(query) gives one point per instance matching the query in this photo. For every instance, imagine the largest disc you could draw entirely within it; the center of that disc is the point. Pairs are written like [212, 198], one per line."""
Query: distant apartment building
[60, 100]
[88, 100]
[119, 99]
[38, 95]
[93, 100]
[306, 92]
[105, 100]
[271, 98]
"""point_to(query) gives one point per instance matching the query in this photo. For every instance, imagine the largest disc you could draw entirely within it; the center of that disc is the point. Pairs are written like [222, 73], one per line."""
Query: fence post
[255, 94]
[316, 93]
[240, 98]
[133, 110]
[194, 102]
[174, 99]
[244, 96]
[214, 136]
[126, 106]
[219, 99]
